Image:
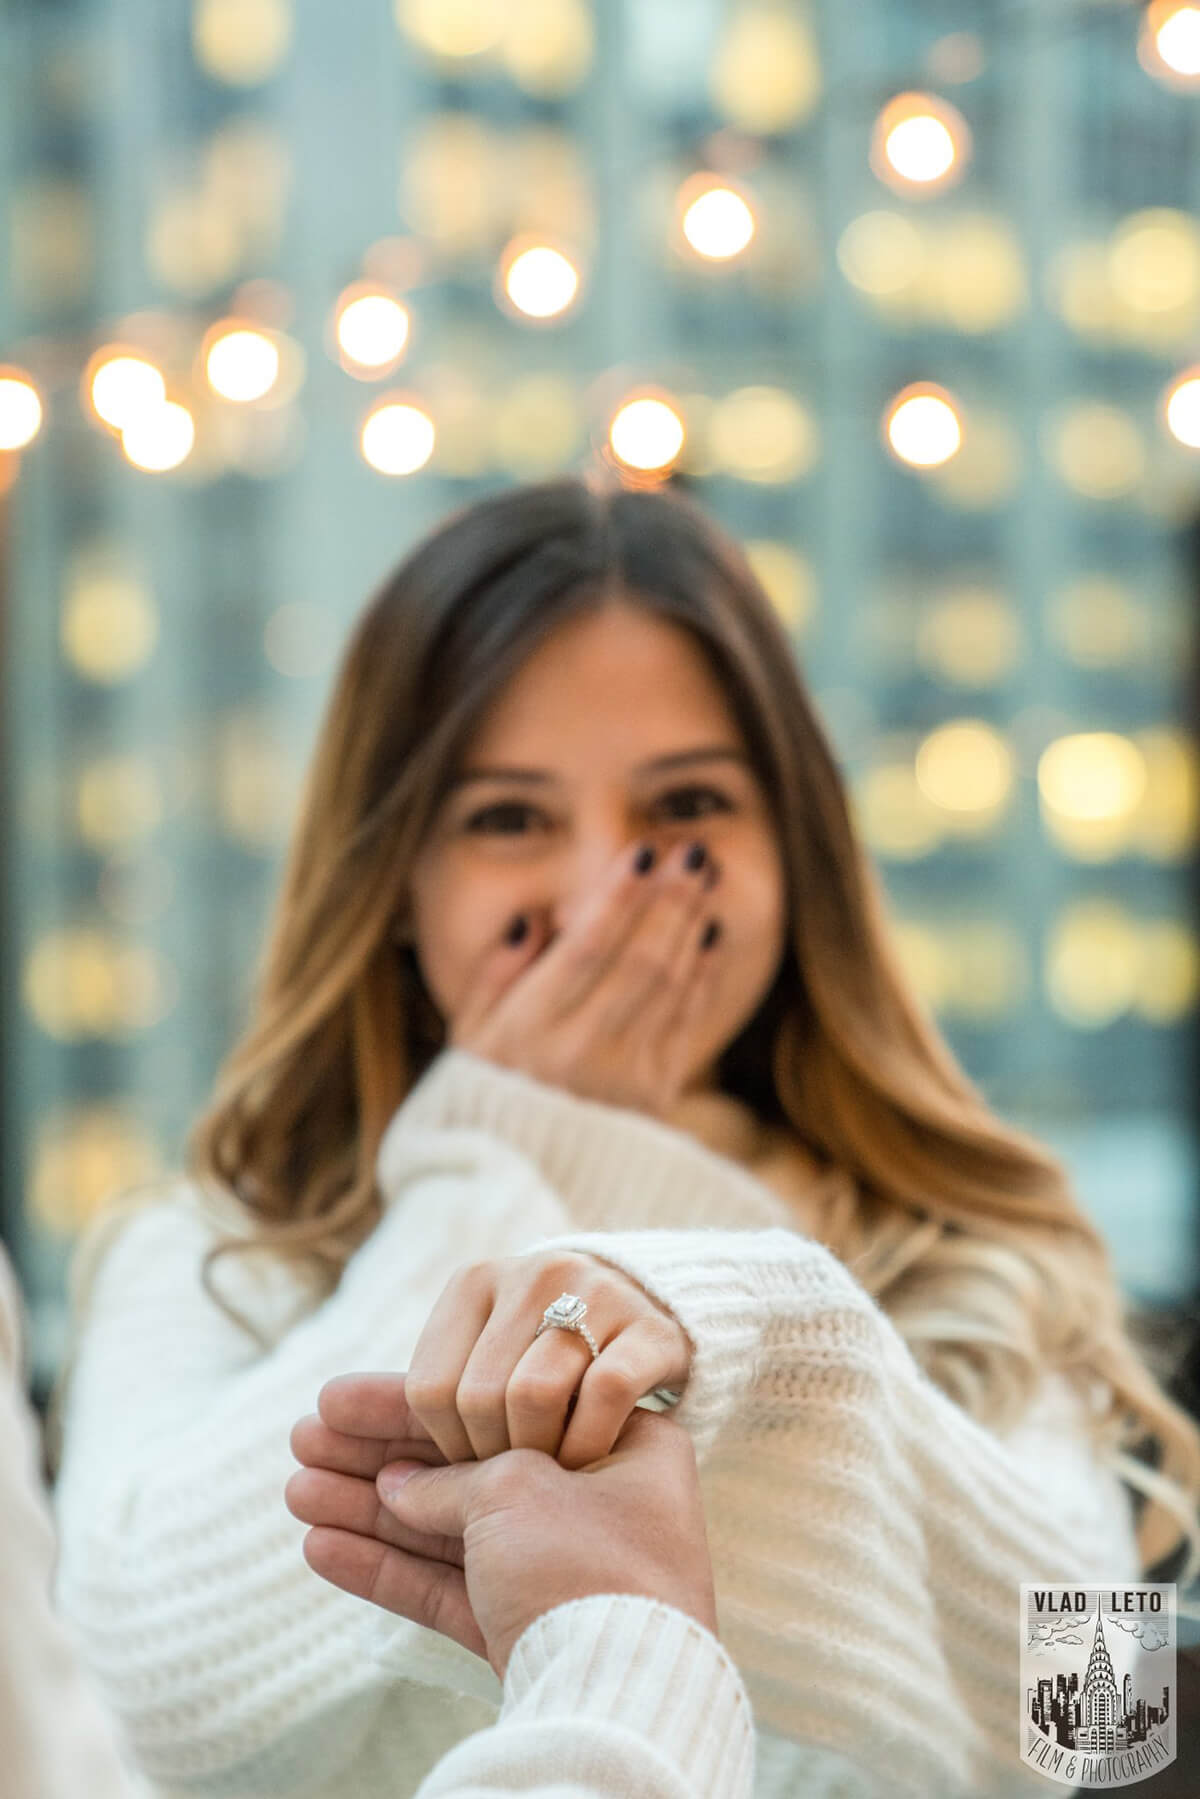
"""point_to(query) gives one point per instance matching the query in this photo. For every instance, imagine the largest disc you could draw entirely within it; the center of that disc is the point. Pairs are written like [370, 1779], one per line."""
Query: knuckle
[428, 1394]
[513, 1479]
[532, 1395]
[611, 1383]
[479, 1399]
[562, 1262]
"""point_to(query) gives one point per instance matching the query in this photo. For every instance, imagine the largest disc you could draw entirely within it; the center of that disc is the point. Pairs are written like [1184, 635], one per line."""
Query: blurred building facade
[908, 295]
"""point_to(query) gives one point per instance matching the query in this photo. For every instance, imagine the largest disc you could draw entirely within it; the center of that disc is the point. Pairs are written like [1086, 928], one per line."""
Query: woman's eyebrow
[676, 759]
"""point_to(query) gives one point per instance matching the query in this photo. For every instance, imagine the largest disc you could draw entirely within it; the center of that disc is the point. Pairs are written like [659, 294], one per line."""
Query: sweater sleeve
[57, 1741]
[610, 1697]
[882, 1533]
[231, 1665]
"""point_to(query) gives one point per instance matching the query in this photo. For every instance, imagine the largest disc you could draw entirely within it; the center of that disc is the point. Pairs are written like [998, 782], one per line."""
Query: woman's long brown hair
[963, 1229]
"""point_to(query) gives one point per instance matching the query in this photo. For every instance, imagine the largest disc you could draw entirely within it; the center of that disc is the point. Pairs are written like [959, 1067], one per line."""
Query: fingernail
[643, 862]
[517, 930]
[711, 934]
[696, 857]
[392, 1478]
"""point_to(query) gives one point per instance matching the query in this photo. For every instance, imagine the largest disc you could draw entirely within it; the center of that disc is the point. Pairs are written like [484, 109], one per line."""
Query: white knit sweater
[868, 1538]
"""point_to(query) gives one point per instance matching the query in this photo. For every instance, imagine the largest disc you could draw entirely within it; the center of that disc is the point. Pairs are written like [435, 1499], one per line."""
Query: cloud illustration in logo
[1049, 1633]
[1149, 1630]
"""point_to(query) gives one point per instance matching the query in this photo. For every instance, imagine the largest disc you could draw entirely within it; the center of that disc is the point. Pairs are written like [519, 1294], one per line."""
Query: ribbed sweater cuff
[709, 1294]
[643, 1664]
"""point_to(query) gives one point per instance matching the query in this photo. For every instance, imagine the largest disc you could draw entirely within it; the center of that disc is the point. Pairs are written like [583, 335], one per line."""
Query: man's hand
[479, 1550]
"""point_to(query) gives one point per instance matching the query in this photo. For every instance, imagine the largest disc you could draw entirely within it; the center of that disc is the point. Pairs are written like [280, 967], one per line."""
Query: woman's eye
[506, 816]
[703, 793]
[485, 820]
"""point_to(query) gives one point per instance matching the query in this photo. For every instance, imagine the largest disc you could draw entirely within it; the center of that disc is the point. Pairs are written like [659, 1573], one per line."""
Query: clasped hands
[480, 1384]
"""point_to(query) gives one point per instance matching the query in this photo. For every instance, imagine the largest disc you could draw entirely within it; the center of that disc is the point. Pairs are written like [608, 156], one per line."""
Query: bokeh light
[539, 281]
[646, 433]
[241, 363]
[119, 384]
[920, 144]
[895, 814]
[397, 437]
[882, 253]
[1093, 957]
[300, 639]
[84, 982]
[1181, 406]
[970, 637]
[160, 440]
[763, 434]
[241, 42]
[452, 28]
[765, 74]
[966, 768]
[1090, 784]
[1166, 823]
[957, 57]
[547, 46]
[454, 183]
[1096, 449]
[1168, 984]
[1099, 622]
[20, 409]
[977, 273]
[922, 426]
[716, 219]
[1154, 260]
[371, 329]
[109, 624]
[81, 1157]
[119, 800]
[1169, 42]
[258, 778]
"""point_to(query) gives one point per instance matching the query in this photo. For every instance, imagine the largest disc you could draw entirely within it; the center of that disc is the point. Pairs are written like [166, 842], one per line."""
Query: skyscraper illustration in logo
[1098, 1680]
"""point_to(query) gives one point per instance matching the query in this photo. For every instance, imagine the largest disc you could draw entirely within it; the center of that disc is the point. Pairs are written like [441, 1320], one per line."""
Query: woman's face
[592, 711]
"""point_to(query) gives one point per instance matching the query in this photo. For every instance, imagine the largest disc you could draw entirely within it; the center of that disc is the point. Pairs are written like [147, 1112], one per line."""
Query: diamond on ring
[567, 1313]
[567, 1310]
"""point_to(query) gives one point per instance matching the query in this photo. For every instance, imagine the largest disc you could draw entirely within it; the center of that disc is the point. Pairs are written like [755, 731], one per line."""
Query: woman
[898, 1338]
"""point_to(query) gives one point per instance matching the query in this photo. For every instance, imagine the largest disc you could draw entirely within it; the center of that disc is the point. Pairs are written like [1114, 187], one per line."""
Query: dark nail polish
[517, 930]
[696, 857]
[643, 862]
[711, 934]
